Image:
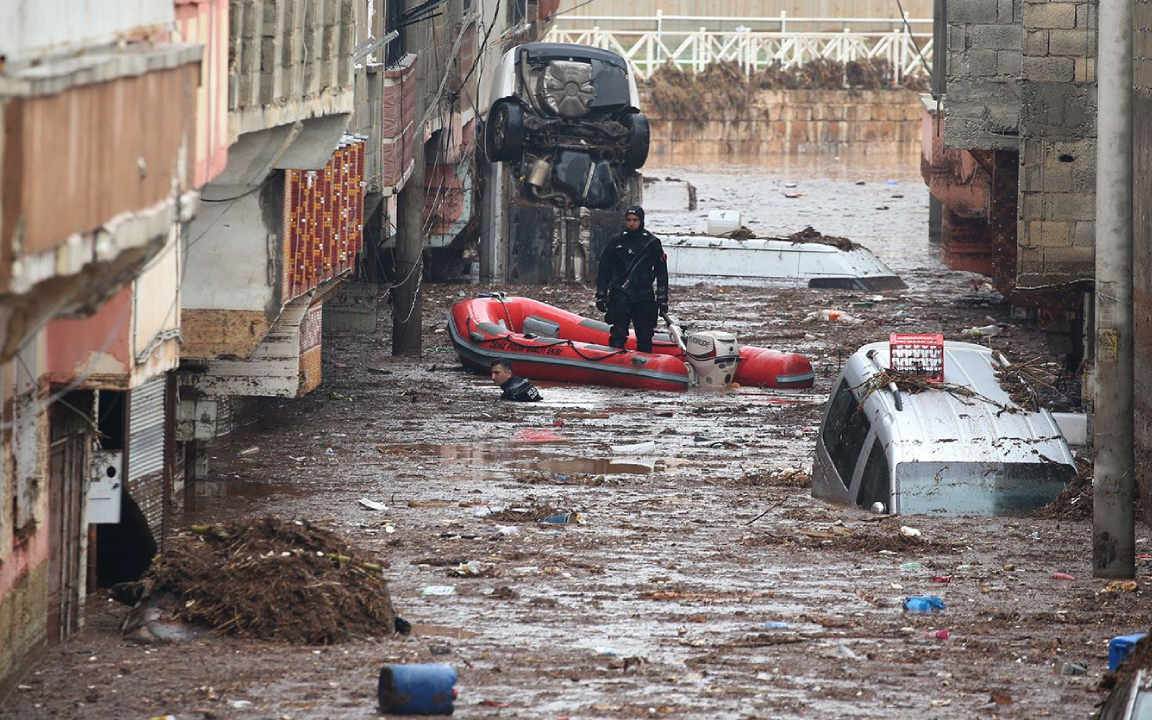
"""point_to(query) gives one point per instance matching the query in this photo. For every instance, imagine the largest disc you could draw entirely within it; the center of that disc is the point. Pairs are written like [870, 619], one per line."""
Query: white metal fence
[659, 41]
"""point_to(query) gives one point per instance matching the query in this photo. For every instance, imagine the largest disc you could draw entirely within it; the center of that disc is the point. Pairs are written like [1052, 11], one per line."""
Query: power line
[271, 175]
[908, 28]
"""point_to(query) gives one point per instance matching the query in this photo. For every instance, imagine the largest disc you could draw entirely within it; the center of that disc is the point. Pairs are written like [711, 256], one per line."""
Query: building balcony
[133, 337]
[254, 258]
[205, 22]
[291, 60]
[98, 154]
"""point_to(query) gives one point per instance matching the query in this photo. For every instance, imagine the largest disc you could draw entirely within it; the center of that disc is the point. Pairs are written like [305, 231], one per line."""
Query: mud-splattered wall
[789, 121]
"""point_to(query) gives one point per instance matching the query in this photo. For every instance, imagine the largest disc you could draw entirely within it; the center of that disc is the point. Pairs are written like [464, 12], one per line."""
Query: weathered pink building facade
[112, 120]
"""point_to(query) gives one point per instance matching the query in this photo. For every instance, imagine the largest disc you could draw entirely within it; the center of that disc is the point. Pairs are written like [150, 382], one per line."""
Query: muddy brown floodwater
[658, 604]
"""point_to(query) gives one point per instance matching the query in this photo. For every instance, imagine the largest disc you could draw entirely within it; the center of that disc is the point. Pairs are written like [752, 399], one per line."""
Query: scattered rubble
[1075, 502]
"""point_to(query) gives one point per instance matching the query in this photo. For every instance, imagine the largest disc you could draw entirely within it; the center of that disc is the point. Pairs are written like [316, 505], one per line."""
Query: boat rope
[504, 305]
[559, 341]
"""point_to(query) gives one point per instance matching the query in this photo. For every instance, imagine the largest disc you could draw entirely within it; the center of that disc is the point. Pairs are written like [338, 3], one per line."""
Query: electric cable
[908, 28]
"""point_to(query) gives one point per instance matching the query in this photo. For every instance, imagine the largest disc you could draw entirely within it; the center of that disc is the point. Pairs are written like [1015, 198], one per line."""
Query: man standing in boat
[515, 388]
[630, 264]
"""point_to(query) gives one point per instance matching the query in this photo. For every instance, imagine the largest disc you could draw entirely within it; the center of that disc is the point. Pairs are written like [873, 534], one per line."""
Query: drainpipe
[1113, 519]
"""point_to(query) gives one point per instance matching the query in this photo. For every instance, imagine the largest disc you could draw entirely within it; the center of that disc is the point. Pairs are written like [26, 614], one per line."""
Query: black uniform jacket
[518, 389]
[631, 262]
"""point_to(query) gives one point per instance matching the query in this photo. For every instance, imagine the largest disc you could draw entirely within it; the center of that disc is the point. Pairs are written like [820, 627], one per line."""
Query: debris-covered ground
[271, 579]
[703, 582]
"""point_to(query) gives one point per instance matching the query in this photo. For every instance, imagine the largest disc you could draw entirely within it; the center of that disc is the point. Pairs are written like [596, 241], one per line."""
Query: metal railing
[647, 49]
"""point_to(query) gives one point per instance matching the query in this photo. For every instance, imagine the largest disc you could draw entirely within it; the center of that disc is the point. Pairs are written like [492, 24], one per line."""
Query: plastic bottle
[924, 604]
[982, 331]
[426, 689]
[936, 634]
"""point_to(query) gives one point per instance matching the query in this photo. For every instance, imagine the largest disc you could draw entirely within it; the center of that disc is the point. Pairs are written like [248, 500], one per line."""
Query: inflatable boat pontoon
[546, 343]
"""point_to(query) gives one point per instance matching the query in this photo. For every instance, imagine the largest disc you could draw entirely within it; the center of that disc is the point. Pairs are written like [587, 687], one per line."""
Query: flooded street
[703, 582]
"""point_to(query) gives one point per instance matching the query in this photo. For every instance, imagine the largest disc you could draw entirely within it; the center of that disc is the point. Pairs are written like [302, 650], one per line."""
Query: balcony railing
[654, 45]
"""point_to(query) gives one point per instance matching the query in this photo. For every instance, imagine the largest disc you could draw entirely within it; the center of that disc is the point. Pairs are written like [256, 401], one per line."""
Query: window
[845, 432]
[874, 484]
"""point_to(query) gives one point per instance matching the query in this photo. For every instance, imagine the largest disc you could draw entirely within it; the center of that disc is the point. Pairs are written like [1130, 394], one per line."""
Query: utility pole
[1113, 511]
[409, 267]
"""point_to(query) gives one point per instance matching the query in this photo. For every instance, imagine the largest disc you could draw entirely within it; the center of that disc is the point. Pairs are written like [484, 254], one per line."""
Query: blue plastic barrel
[1119, 647]
[426, 689]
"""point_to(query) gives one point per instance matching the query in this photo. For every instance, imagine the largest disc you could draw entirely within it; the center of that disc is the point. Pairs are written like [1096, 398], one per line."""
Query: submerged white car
[964, 449]
[775, 261]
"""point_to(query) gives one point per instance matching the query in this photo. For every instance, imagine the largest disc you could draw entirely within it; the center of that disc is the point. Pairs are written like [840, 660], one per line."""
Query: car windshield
[977, 488]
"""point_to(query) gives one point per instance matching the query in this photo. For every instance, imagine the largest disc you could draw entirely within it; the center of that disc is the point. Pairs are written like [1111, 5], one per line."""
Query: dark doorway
[71, 426]
[124, 550]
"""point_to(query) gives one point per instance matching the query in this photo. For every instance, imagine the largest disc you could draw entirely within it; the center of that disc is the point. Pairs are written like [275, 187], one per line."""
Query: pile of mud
[273, 579]
[812, 235]
[677, 93]
[740, 233]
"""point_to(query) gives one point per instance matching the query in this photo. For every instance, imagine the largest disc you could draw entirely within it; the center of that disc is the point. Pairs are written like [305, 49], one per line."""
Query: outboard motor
[713, 354]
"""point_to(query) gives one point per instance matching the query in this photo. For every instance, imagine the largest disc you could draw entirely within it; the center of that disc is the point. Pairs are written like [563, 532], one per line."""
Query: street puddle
[594, 466]
[472, 454]
[213, 499]
[234, 487]
[442, 631]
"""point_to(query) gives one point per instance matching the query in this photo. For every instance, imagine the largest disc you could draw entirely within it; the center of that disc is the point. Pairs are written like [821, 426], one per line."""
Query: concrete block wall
[793, 121]
[1142, 249]
[289, 60]
[985, 58]
[1058, 143]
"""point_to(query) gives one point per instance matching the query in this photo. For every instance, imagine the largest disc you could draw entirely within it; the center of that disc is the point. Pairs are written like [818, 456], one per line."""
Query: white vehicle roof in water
[707, 258]
[947, 426]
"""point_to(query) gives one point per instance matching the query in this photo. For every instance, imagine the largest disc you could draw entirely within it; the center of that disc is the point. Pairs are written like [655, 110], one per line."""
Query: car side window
[845, 432]
[874, 483]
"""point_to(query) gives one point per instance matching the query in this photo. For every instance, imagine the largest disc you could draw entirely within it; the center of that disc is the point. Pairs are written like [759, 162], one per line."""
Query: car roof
[944, 426]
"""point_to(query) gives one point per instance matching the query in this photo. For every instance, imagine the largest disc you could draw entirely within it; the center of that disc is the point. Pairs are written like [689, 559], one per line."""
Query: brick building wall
[1021, 76]
[1058, 144]
[983, 84]
[790, 121]
[1142, 250]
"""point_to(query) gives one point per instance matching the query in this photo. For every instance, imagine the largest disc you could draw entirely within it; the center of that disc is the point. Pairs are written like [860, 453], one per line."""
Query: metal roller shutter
[146, 429]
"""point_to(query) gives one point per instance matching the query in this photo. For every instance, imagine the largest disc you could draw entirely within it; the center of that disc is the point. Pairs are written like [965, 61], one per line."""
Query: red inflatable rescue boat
[547, 343]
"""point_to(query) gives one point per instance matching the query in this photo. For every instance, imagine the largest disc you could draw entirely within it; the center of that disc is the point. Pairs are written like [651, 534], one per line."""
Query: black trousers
[641, 313]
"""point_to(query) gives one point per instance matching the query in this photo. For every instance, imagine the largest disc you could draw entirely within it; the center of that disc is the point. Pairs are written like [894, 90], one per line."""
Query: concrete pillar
[1113, 522]
[406, 302]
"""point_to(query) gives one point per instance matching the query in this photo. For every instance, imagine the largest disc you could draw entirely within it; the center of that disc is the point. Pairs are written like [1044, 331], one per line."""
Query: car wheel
[638, 139]
[504, 132]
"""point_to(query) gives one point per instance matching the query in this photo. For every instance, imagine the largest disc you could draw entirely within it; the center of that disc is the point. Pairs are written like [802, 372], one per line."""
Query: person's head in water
[634, 218]
[500, 371]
